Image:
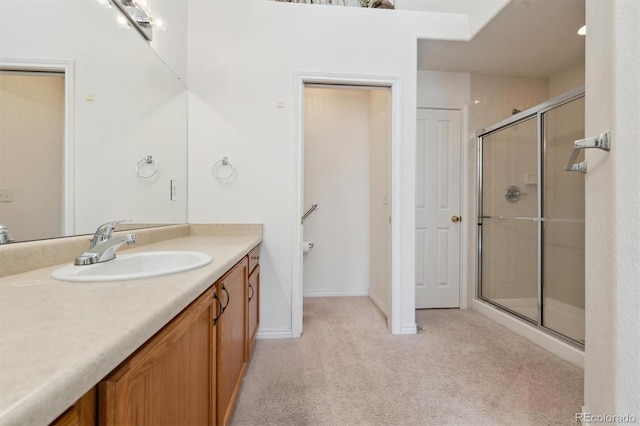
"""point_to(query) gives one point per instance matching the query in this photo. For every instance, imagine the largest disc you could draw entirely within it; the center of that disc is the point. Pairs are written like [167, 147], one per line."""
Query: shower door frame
[536, 112]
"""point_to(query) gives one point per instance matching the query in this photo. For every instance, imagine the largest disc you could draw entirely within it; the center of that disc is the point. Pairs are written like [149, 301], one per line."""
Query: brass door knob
[455, 219]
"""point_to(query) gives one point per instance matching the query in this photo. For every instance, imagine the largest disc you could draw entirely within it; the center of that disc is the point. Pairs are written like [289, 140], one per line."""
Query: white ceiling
[478, 12]
[528, 37]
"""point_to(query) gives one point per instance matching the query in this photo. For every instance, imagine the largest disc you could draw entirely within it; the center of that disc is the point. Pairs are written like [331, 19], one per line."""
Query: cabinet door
[253, 309]
[231, 338]
[82, 413]
[168, 381]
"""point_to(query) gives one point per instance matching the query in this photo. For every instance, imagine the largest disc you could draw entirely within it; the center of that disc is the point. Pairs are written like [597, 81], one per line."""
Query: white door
[438, 205]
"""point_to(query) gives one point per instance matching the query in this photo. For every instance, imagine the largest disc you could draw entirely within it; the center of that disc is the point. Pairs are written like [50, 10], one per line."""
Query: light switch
[5, 195]
[174, 190]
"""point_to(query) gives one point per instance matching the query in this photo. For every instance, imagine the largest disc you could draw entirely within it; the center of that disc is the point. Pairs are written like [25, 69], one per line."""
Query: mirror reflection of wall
[31, 154]
[122, 103]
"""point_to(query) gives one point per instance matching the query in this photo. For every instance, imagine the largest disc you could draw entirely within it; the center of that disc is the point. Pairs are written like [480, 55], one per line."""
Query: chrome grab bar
[311, 210]
[536, 219]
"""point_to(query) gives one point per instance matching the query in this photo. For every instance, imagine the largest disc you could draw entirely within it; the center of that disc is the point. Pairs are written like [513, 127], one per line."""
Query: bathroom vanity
[164, 350]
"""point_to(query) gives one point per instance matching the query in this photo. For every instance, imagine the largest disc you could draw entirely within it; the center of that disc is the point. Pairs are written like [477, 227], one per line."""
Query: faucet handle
[104, 231]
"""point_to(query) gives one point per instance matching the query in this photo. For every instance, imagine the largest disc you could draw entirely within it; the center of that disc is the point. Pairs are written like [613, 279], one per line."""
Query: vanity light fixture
[139, 15]
[583, 30]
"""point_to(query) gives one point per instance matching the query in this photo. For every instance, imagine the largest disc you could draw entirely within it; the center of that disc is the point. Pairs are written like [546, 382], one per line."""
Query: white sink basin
[134, 266]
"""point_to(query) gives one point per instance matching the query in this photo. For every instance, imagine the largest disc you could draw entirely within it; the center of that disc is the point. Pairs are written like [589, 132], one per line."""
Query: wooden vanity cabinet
[231, 338]
[170, 379]
[190, 372]
[253, 300]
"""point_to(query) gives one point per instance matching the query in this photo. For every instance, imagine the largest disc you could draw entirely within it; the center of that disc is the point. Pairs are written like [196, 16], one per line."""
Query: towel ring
[224, 162]
[147, 160]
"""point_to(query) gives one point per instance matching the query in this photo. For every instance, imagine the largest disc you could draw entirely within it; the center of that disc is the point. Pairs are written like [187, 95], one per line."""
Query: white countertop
[59, 339]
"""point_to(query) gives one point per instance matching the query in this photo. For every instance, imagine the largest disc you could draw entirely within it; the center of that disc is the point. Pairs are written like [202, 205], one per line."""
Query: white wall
[243, 61]
[171, 43]
[493, 97]
[443, 89]
[566, 80]
[612, 204]
[336, 176]
[380, 199]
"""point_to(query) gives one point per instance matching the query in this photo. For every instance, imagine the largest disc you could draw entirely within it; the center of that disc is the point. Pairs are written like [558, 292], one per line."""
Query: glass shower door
[563, 224]
[509, 229]
[531, 219]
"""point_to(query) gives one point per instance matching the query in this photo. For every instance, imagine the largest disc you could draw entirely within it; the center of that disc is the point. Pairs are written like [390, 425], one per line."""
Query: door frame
[66, 67]
[394, 84]
[466, 230]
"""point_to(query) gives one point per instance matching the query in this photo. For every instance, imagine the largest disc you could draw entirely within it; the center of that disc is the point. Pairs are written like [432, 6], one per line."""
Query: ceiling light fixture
[583, 30]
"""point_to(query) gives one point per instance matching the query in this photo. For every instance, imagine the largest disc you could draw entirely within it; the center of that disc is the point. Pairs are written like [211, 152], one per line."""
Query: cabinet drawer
[254, 258]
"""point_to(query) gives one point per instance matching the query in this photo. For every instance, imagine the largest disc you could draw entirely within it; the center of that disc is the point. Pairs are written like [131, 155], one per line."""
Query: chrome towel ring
[221, 164]
[148, 160]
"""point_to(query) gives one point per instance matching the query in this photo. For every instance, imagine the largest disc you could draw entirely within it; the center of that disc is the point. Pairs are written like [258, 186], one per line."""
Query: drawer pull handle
[228, 298]
[252, 292]
[220, 310]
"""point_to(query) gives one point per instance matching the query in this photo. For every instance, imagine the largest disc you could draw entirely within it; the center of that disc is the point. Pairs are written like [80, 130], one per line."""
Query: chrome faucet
[103, 246]
[5, 235]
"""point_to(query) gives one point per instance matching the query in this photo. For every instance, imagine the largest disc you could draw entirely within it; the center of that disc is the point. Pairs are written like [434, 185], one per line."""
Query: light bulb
[583, 30]
[159, 23]
[122, 22]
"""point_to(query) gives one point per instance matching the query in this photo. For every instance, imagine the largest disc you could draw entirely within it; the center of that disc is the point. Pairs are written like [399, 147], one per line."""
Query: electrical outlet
[5, 195]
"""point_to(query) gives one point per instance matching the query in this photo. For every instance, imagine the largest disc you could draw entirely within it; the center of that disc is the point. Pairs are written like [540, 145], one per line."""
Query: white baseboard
[274, 334]
[565, 351]
[379, 304]
[335, 293]
[409, 329]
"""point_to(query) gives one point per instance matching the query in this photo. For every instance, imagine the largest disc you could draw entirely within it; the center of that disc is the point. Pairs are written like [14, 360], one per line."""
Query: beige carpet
[461, 369]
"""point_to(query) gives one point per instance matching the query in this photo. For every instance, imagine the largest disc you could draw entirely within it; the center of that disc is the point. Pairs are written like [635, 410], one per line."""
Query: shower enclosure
[531, 217]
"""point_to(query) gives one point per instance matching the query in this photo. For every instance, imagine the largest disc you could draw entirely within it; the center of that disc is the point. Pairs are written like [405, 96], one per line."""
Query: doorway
[347, 149]
[32, 153]
[382, 275]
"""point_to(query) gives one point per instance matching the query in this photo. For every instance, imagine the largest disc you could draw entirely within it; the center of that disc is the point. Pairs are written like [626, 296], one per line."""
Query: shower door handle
[456, 219]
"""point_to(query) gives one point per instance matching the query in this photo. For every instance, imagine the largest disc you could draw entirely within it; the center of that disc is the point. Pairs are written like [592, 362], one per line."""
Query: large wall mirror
[84, 101]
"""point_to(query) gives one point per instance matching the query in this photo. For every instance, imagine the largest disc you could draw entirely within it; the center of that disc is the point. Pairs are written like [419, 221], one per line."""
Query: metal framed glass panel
[531, 217]
[509, 207]
[563, 225]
